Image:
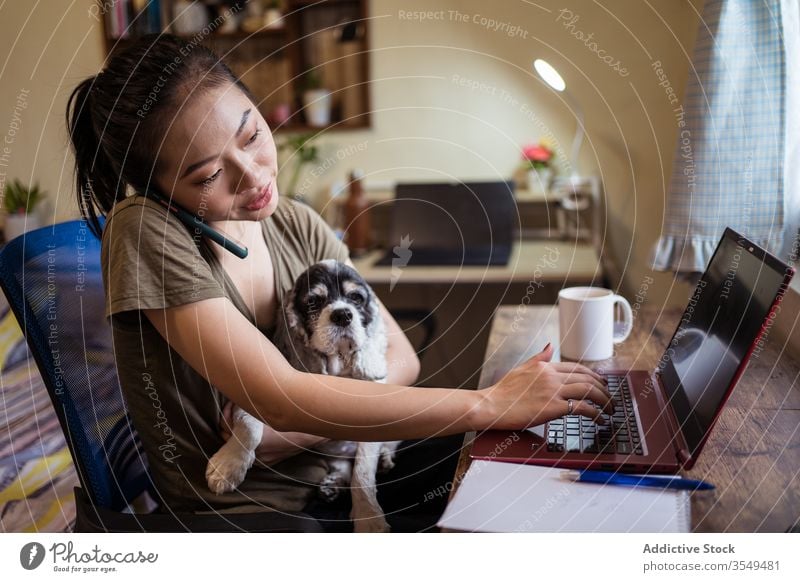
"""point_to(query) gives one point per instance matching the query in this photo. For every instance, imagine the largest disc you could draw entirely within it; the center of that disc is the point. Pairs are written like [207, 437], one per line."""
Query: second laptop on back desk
[451, 224]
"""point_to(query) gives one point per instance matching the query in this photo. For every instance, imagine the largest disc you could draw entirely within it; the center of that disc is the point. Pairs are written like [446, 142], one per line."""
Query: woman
[191, 322]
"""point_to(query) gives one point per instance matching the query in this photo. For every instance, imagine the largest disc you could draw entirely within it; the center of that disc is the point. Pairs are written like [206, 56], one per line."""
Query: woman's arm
[235, 357]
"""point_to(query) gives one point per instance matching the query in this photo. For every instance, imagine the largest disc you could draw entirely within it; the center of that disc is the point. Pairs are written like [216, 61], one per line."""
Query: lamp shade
[549, 74]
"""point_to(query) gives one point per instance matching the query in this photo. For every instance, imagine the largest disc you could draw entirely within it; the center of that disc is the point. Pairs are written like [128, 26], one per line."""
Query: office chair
[52, 279]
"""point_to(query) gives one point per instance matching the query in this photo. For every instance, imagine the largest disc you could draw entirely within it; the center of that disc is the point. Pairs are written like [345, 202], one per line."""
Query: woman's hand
[538, 390]
[275, 446]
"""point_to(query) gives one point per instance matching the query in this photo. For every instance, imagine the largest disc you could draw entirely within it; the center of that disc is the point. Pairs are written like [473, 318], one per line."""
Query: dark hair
[114, 118]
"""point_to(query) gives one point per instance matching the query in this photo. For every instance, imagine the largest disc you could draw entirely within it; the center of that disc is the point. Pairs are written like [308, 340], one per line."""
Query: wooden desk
[753, 453]
[462, 300]
[542, 260]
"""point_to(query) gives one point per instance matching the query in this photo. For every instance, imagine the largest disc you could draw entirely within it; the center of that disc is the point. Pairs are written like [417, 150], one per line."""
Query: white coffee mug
[586, 317]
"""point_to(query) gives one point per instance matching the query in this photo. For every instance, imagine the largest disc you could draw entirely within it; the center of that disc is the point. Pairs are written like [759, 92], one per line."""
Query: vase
[189, 17]
[19, 224]
[539, 180]
[273, 18]
[317, 104]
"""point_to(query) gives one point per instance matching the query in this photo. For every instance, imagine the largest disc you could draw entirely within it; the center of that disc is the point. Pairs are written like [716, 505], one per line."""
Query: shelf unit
[328, 39]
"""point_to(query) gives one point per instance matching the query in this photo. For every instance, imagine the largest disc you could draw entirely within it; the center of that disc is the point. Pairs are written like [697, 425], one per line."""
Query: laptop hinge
[681, 448]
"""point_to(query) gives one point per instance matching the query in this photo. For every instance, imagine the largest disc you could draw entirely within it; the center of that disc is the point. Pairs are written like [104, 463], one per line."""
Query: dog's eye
[356, 297]
[313, 302]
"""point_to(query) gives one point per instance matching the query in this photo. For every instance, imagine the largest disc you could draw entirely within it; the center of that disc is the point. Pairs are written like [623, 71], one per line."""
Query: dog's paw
[226, 470]
[330, 487]
[370, 523]
[386, 460]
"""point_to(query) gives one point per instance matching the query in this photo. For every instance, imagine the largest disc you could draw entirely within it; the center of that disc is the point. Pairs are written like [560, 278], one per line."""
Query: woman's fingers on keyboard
[579, 377]
[589, 391]
[573, 367]
[587, 409]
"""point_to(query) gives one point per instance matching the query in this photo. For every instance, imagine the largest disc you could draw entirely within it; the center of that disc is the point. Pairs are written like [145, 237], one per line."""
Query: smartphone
[193, 221]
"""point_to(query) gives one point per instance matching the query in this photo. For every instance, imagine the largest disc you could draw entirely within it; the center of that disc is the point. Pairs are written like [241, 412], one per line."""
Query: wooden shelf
[272, 62]
[235, 35]
[301, 3]
[240, 34]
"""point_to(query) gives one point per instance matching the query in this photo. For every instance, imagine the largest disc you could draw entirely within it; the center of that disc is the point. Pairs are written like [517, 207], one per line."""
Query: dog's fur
[330, 323]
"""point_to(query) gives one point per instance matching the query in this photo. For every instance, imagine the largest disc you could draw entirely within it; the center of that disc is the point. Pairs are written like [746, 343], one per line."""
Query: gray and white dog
[330, 323]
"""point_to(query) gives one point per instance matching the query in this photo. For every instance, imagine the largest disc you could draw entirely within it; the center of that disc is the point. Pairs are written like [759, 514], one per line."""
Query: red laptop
[663, 417]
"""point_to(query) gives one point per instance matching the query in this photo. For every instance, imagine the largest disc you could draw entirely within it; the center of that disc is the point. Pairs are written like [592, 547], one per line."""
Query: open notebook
[509, 497]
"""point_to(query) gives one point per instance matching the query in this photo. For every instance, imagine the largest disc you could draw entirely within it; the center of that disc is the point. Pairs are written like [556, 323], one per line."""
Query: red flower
[537, 153]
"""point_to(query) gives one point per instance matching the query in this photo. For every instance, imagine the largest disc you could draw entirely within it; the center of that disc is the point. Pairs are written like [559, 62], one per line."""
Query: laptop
[451, 224]
[663, 417]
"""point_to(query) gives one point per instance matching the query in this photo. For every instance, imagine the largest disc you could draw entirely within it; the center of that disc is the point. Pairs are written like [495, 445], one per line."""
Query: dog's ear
[290, 334]
[292, 319]
[371, 362]
[376, 326]
[296, 329]
[293, 341]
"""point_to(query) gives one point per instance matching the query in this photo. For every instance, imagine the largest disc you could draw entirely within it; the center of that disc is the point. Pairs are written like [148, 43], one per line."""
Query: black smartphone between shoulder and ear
[194, 221]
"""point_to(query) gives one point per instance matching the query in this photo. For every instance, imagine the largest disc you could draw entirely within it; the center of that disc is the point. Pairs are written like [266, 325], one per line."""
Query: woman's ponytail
[97, 181]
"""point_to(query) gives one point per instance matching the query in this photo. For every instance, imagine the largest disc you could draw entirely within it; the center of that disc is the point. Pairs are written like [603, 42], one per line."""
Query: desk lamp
[574, 203]
[550, 76]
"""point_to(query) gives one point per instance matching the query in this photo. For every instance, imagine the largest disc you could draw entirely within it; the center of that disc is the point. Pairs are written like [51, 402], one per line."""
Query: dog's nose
[342, 317]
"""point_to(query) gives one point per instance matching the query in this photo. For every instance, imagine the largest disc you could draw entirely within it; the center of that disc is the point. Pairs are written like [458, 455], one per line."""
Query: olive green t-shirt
[150, 260]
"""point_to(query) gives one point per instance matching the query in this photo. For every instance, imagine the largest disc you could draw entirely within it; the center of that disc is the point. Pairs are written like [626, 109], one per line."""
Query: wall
[428, 126]
[47, 49]
[454, 97]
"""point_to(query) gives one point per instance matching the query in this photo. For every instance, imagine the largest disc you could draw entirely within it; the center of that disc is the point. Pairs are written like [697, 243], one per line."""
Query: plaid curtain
[728, 168]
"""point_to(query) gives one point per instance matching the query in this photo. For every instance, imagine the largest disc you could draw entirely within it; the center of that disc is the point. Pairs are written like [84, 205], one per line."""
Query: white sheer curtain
[791, 39]
[728, 168]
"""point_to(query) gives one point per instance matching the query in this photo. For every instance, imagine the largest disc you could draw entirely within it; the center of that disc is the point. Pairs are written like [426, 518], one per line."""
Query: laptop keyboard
[579, 434]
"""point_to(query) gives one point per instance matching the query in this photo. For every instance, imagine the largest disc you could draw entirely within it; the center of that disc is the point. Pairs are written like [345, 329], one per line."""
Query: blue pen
[608, 478]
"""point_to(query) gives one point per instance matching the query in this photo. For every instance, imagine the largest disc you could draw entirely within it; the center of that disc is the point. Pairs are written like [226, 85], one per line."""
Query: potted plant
[302, 151]
[20, 202]
[538, 162]
[316, 100]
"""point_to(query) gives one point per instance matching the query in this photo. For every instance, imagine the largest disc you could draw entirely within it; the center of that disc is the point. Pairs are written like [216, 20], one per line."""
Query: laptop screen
[717, 329]
[455, 216]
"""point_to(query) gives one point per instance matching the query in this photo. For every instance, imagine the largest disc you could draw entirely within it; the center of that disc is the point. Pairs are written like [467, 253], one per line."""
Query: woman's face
[218, 158]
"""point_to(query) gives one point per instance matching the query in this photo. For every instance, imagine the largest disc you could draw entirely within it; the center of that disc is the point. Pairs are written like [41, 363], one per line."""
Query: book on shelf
[127, 18]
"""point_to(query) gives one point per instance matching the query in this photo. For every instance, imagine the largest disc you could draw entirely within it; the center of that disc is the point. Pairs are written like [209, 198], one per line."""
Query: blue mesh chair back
[53, 281]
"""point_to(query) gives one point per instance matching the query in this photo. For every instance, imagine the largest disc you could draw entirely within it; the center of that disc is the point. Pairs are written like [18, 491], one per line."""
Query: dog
[330, 323]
